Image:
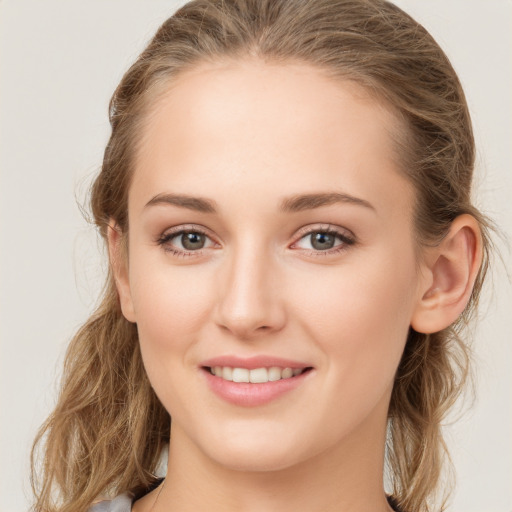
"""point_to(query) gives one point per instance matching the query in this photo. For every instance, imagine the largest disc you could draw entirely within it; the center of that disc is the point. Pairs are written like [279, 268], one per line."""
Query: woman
[286, 201]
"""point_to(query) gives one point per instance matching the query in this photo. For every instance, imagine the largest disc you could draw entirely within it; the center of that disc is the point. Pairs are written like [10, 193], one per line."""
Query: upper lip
[261, 361]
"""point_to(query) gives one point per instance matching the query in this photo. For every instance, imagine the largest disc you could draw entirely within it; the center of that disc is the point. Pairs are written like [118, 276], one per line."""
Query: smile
[255, 375]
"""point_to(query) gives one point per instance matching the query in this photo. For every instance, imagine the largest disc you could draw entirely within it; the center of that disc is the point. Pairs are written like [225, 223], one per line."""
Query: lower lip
[246, 394]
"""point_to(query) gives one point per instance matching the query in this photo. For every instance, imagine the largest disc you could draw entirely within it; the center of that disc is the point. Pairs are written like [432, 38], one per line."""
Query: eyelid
[327, 228]
[347, 239]
[174, 231]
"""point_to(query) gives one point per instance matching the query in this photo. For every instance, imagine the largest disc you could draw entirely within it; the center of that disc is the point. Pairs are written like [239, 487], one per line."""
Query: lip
[246, 394]
[251, 363]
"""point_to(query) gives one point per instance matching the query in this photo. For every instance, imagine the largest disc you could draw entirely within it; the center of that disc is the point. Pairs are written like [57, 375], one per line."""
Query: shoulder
[122, 503]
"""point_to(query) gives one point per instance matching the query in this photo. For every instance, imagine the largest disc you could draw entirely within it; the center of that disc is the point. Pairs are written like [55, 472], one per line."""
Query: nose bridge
[249, 301]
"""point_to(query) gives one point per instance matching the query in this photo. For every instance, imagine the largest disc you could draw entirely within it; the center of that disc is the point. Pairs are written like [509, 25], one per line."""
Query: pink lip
[247, 394]
[253, 362]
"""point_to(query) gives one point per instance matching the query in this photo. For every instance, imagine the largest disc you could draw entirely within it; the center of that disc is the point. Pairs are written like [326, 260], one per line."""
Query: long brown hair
[108, 428]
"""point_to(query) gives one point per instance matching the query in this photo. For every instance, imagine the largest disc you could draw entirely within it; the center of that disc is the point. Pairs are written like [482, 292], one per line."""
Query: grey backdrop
[59, 63]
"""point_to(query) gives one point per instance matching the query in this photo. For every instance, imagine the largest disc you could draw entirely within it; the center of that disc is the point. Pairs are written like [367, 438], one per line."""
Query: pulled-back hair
[108, 428]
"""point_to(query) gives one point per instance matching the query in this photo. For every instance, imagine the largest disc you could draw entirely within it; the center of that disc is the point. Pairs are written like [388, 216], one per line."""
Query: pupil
[192, 241]
[322, 241]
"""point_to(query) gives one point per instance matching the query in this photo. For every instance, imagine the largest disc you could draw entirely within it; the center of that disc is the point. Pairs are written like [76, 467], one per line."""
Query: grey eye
[192, 241]
[322, 241]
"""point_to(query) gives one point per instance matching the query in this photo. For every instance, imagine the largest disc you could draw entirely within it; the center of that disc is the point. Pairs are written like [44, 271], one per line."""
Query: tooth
[218, 371]
[286, 373]
[297, 371]
[227, 373]
[274, 373]
[240, 375]
[258, 375]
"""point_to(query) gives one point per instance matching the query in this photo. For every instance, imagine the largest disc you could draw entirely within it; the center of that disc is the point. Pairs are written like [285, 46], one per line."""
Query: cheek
[360, 318]
[171, 310]
[170, 306]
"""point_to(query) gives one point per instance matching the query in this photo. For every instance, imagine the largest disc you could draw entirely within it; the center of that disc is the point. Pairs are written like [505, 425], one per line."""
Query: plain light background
[59, 63]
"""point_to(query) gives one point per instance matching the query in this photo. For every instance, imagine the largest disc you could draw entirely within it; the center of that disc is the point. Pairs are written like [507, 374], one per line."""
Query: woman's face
[269, 227]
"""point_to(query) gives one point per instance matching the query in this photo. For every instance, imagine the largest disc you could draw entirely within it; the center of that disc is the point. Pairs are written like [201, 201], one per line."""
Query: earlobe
[450, 273]
[119, 266]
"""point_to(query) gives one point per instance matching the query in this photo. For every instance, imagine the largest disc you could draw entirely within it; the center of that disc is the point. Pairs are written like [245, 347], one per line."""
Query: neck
[347, 477]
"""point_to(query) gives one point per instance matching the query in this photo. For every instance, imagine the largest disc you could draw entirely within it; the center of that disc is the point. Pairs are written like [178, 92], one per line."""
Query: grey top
[123, 503]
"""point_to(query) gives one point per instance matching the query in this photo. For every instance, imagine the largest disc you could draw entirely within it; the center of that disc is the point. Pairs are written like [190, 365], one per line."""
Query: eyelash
[164, 239]
[346, 240]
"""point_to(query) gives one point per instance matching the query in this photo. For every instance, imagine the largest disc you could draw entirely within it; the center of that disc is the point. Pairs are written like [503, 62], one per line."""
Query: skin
[247, 136]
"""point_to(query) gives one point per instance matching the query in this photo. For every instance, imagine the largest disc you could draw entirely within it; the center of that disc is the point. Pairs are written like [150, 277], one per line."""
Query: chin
[255, 461]
[258, 452]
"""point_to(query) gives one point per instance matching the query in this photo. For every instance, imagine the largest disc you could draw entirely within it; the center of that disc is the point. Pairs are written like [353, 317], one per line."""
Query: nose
[250, 300]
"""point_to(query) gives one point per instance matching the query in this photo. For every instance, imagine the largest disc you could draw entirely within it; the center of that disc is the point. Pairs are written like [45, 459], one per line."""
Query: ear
[119, 264]
[449, 272]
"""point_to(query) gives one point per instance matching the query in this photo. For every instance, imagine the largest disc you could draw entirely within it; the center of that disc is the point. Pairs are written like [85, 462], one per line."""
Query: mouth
[255, 375]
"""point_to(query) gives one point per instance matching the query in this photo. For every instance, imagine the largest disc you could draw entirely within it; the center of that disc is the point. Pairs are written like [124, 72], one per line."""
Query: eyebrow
[303, 202]
[198, 204]
[296, 203]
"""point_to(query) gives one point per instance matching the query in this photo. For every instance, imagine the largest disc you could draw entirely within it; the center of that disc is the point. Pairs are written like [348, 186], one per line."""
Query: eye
[326, 240]
[190, 241]
[185, 241]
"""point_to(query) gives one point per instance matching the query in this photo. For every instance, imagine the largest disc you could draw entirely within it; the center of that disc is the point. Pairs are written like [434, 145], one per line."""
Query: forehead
[257, 125]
